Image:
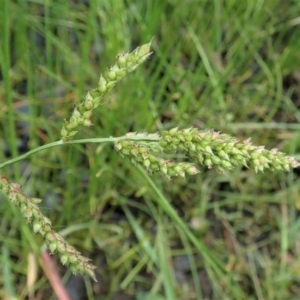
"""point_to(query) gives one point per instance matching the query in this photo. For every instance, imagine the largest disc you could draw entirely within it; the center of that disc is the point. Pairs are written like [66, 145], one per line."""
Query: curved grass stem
[80, 141]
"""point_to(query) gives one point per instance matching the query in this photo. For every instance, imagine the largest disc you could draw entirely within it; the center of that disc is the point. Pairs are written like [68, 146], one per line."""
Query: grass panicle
[40, 224]
[82, 112]
[208, 148]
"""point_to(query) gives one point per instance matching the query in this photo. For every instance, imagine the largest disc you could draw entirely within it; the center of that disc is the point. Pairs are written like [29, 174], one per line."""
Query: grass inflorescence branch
[82, 112]
[206, 148]
[214, 149]
[40, 224]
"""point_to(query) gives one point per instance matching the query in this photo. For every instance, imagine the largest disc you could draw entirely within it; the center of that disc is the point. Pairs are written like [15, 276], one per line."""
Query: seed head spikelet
[206, 148]
[214, 149]
[82, 112]
[42, 225]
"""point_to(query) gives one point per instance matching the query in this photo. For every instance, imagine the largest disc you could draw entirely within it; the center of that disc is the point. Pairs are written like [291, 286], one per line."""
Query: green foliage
[224, 65]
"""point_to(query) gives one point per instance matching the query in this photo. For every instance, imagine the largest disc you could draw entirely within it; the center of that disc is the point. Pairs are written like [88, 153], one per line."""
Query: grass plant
[228, 66]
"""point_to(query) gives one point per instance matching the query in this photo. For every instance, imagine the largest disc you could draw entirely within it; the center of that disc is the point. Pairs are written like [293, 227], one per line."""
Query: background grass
[229, 65]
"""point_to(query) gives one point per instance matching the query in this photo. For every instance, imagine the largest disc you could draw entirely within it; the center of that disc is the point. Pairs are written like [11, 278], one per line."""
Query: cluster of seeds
[82, 113]
[56, 244]
[143, 154]
[211, 148]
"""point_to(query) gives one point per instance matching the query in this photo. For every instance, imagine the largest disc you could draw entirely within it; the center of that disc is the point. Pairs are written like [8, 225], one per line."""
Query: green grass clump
[228, 66]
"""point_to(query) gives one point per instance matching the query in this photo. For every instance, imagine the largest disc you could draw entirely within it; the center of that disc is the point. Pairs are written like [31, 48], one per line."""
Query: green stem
[81, 141]
[5, 59]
